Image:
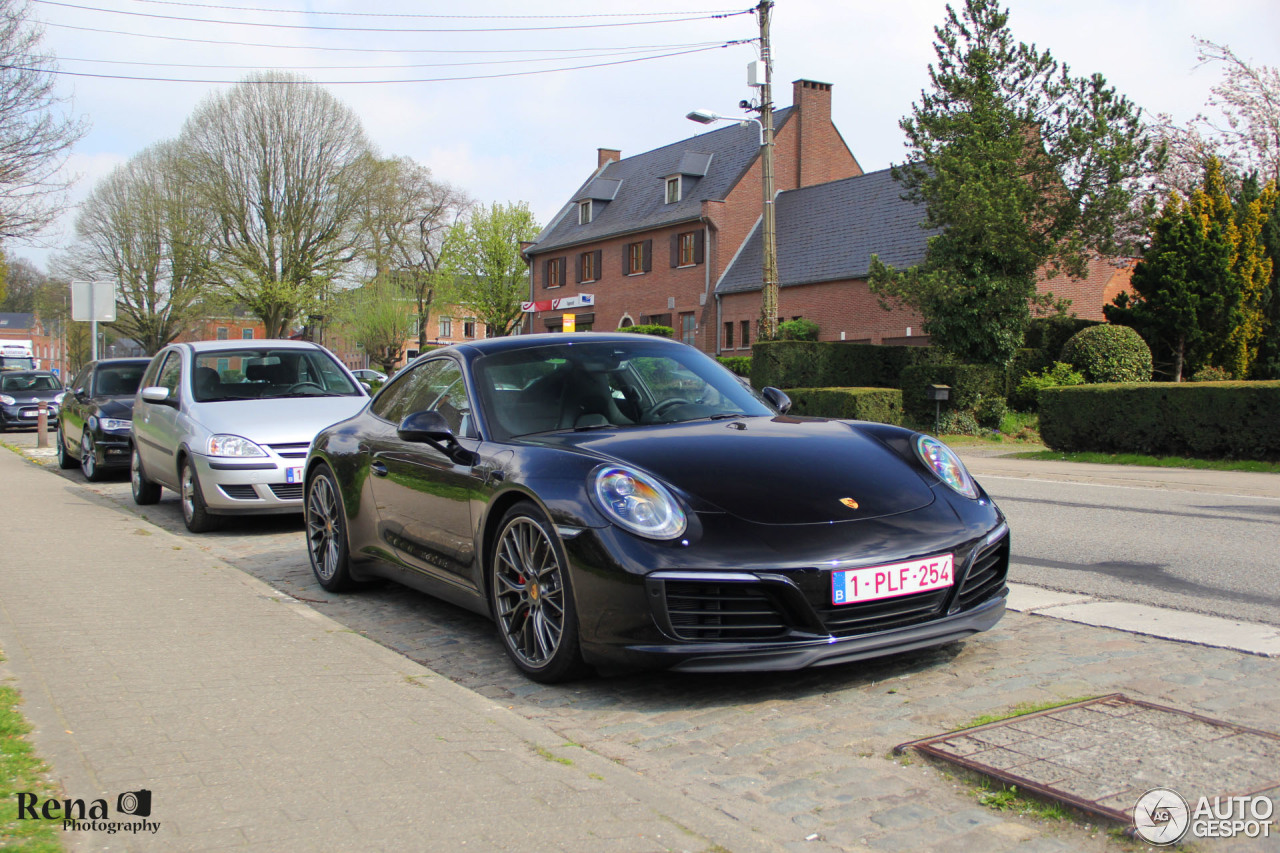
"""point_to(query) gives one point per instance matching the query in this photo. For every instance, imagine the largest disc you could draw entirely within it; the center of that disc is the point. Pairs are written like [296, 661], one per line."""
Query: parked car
[227, 424]
[97, 416]
[22, 392]
[370, 376]
[624, 501]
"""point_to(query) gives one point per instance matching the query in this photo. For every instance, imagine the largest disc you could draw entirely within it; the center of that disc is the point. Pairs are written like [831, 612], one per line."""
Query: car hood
[115, 407]
[768, 471]
[277, 421]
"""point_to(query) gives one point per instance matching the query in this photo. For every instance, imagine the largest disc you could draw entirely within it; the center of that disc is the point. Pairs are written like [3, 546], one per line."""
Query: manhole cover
[1104, 754]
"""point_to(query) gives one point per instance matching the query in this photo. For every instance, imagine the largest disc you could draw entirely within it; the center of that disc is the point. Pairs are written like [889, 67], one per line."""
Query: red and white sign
[874, 582]
[582, 300]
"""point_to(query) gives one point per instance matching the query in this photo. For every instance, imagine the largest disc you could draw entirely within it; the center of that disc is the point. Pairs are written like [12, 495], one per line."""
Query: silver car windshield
[252, 373]
[593, 386]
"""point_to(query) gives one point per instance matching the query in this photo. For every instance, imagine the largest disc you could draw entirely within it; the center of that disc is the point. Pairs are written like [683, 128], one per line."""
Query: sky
[533, 138]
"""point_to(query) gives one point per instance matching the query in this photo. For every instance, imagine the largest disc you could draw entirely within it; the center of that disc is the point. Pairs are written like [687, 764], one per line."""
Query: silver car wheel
[188, 493]
[529, 592]
[323, 529]
[88, 458]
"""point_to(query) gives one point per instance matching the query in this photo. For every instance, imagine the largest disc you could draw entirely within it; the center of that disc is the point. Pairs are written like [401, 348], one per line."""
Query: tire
[89, 460]
[326, 520]
[145, 492]
[195, 513]
[65, 460]
[531, 597]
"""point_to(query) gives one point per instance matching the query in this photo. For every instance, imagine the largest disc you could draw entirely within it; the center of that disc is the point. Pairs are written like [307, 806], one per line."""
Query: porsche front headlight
[637, 502]
[943, 462]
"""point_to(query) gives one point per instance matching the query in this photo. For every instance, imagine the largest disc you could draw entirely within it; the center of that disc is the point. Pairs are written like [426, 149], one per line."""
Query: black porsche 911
[624, 501]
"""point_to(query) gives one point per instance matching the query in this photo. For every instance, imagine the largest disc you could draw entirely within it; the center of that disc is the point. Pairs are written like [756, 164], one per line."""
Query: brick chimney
[605, 155]
[821, 155]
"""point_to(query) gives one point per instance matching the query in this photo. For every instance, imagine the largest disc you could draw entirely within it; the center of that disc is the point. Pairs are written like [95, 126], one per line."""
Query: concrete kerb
[75, 769]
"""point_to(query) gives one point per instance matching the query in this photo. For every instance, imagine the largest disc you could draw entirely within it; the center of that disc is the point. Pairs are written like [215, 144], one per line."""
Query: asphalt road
[1207, 553]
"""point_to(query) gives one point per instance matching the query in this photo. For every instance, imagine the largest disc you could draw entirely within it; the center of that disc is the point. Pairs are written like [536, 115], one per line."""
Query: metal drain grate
[1102, 755]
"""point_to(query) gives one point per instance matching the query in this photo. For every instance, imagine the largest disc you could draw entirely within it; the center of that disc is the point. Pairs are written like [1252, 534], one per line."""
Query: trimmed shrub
[883, 405]
[1051, 333]
[990, 412]
[1026, 397]
[650, 329]
[1109, 353]
[1023, 364]
[739, 364]
[798, 330]
[1208, 420]
[958, 423]
[970, 383]
[1211, 374]
[832, 364]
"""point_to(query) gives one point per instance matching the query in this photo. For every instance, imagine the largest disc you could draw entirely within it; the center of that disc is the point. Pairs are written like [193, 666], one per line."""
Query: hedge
[1051, 333]
[1232, 420]
[739, 364]
[969, 384]
[832, 364]
[883, 405]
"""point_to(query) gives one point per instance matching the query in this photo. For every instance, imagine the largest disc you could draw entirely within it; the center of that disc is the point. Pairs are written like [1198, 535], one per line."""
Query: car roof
[257, 343]
[145, 359]
[491, 345]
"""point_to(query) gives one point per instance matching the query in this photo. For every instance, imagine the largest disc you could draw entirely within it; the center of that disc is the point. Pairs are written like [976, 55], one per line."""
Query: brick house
[49, 348]
[647, 237]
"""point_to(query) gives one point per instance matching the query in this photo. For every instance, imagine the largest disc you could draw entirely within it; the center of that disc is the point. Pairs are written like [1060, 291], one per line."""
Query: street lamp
[769, 302]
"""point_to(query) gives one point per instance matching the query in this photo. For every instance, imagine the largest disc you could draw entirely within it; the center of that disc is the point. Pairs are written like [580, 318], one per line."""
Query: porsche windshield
[592, 386]
[255, 374]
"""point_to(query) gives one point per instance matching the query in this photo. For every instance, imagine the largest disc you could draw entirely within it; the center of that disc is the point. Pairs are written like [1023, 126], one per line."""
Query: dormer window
[584, 212]
[673, 189]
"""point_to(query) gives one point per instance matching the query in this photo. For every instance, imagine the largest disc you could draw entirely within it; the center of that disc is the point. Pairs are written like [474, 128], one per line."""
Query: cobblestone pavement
[806, 756]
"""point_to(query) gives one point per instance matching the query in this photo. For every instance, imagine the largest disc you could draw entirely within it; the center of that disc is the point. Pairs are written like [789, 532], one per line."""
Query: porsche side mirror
[429, 426]
[777, 398]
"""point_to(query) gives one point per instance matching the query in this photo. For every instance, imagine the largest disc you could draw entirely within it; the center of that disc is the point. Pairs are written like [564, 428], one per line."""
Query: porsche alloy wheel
[532, 598]
[327, 532]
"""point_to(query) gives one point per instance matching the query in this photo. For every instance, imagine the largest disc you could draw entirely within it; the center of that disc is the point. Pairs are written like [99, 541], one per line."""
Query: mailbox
[938, 392]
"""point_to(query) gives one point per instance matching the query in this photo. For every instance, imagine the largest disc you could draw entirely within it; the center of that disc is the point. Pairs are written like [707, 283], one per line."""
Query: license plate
[850, 586]
[293, 475]
[31, 414]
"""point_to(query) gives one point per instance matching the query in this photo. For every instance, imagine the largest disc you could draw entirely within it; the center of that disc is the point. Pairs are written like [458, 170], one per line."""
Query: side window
[81, 380]
[433, 385]
[171, 374]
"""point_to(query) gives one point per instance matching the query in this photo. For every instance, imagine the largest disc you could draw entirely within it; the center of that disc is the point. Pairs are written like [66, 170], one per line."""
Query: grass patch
[1021, 710]
[22, 771]
[1005, 798]
[551, 756]
[1154, 461]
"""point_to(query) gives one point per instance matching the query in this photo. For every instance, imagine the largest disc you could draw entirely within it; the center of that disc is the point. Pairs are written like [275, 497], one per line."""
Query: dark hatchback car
[22, 392]
[97, 414]
[623, 501]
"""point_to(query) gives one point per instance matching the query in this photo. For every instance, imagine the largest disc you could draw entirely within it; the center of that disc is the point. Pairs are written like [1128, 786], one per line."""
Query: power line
[599, 53]
[710, 12]
[313, 27]
[228, 43]
[380, 82]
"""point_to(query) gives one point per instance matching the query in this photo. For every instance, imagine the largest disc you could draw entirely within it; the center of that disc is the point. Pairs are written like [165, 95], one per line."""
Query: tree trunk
[1177, 359]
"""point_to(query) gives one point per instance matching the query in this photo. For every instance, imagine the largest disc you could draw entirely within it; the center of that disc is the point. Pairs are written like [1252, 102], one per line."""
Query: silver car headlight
[942, 461]
[114, 424]
[233, 445]
[58, 399]
[7, 400]
[637, 502]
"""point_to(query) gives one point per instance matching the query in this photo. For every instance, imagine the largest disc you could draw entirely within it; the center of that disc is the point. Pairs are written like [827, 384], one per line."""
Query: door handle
[378, 469]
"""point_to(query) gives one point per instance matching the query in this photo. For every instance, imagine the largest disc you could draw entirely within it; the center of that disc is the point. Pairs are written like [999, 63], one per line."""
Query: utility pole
[769, 225]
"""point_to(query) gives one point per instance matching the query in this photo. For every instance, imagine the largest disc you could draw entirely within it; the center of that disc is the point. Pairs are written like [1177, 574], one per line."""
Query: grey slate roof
[829, 232]
[17, 321]
[639, 202]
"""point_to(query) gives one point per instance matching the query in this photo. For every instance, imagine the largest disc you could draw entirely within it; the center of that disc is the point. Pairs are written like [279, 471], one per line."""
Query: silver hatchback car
[227, 424]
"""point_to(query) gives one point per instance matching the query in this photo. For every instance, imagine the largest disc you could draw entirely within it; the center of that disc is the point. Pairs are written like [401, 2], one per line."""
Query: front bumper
[113, 450]
[758, 657]
[258, 486]
[25, 414]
